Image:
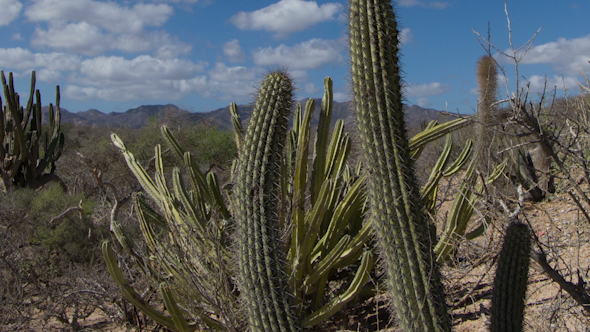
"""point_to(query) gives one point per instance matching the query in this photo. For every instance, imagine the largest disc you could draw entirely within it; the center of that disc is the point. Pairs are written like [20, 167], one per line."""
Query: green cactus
[405, 236]
[28, 152]
[194, 256]
[263, 281]
[510, 284]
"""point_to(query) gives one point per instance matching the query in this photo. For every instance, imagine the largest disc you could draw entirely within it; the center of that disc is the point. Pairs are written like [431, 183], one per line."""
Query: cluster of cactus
[28, 151]
[328, 230]
[297, 222]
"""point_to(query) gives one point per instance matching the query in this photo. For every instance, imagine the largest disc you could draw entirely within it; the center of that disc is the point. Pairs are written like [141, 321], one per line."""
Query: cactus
[487, 82]
[405, 236]
[27, 152]
[194, 256]
[510, 284]
[262, 274]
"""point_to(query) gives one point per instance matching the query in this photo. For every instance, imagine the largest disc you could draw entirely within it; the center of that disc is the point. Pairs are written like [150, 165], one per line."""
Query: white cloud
[233, 51]
[179, 1]
[425, 90]
[405, 36]
[107, 15]
[566, 56]
[424, 4]
[311, 54]
[538, 83]
[423, 102]
[10, 11]
[341, 97]
[24, 60]
[92, 27]
[286, 16]
[115, 70]
[232, 82]
[141, 78]
[17, 36]
[310, 88]
[78, 37]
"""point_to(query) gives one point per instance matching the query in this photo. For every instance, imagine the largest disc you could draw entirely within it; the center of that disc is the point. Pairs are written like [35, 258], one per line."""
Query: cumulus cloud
[566, 56]
[144, 77]
[286, 16]
[10, 11]
[424, 4]
[232, 82]
[114, 70]
[425, 90]
[92, 27]
[107, 15]
[311, 54]
[233, 51]
[24, 60]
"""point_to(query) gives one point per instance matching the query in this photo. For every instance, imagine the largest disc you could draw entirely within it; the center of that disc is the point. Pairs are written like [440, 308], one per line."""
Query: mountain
[172, 115]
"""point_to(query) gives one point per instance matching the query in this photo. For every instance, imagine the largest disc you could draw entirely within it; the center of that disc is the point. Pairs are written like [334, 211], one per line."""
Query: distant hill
[173, 115]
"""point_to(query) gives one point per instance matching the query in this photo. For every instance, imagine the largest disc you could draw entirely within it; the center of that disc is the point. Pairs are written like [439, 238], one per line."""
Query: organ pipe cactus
[405, 236]
[28, 152]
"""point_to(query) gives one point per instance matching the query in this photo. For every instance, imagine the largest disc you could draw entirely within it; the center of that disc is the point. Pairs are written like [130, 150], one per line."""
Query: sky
[203, 54]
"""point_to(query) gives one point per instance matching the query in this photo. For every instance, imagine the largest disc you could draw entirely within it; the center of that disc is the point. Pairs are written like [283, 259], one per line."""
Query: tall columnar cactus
[261, 260]
[27, 152]
[510, 284]
[405, 235]
[487, 84]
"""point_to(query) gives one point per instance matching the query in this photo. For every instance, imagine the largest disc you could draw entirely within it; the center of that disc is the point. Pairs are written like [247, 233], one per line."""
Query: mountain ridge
[171, 115]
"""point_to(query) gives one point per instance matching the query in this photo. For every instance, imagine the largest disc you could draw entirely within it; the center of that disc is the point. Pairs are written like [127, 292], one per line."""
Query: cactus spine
[404, 234]
[510, 284]
[263, 281]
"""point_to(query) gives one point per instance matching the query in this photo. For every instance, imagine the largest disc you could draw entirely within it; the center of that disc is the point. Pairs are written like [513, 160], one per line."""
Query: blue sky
[203, 54]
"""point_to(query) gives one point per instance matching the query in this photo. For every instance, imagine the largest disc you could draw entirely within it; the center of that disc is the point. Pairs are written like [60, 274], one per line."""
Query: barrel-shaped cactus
[510, 284]
[405, 235]
[263, 281]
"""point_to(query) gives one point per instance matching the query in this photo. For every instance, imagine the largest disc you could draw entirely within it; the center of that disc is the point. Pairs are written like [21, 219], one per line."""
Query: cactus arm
[431, 134]
[461, 160]
[417, 151]
[237, 124]
[299, 236]
[357, 284]
[175, 312]
[130, 293]
[321, 140]
[405, 235]
[144, 179]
